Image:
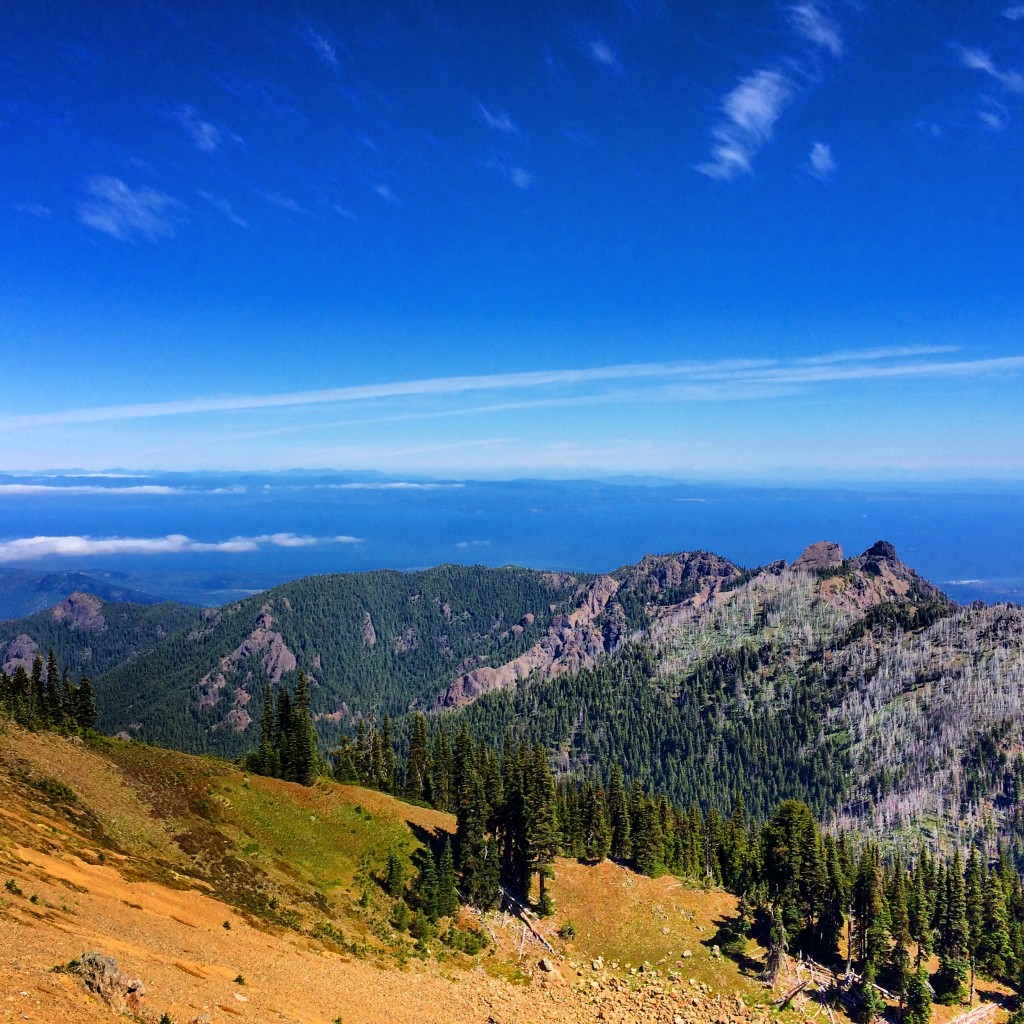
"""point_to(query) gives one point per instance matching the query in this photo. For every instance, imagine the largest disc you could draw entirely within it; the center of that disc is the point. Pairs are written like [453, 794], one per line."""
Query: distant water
[969, 540]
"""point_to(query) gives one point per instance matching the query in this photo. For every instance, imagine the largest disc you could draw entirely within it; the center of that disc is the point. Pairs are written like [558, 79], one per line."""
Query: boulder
[102, 976]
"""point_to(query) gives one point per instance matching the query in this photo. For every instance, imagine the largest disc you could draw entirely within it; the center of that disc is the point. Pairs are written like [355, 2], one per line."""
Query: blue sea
[968, 538]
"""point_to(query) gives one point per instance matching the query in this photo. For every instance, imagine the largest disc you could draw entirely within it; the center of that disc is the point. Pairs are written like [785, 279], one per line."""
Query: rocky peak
[823, 554]
[80, 611]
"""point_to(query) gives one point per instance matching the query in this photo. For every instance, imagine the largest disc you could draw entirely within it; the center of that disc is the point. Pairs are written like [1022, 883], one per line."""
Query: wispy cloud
[810, 23]
[603, 54]
[206, 136]
[1014, 13]
[132, 491]
[752, 107]
[463, 545]
[980, 60]
[396, 485]
[127, 213]
[707, 380]
[749, 111]
[994, 120]
[518, 176]
[29, 548]
[387, 194]
[498, 120]
[820, 162]
[32, 209]
[323, 46]
[283, 202]
[222, 205]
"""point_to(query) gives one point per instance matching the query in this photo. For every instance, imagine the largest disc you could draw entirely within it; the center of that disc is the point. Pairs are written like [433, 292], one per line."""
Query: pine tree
[86, 714]
[416, 763]
[618, 815]
[394, 875]
[872, 1005]
[447, 895]
[951, 979]
[994, 953]
[919, 1002]
[541, 823]
[302, 741]
[899, 926]
[426, 886]
[596, 832]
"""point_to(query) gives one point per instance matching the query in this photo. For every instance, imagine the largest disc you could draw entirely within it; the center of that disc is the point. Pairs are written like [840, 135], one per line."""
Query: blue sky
[773, 240]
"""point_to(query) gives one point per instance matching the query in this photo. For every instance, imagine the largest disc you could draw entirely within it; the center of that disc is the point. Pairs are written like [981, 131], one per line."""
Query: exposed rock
[824, 554]
[408, 642]
[81, 611]
[547, 965]
[275, 657]
[368, 632]
[101, 975]
[20, 651]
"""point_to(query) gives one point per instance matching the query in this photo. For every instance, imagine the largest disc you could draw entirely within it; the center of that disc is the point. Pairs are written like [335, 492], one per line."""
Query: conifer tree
[86, 714]
[440, 794]
[994, 953]
[597, 833]
[899, 926]
[302, 742]
[394, 875]
[618, 815]
[447, 895]
[541, 823]
[919, 1002]
[426, 886]
[953, 938]
[416, 763]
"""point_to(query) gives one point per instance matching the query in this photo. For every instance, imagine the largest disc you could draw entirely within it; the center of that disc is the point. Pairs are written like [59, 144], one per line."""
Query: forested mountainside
[91, 636]
[851, 683]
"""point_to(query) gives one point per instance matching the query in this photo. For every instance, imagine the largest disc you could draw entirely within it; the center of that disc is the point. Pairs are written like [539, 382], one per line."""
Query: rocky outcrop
[20, 652]
[102, 976]
[824, 554]
[274, 655]
[878, 576]
[573, 641]
[80, 611]
[368, 632]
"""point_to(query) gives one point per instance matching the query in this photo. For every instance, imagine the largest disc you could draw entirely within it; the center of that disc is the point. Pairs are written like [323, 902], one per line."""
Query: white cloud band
[28, 548]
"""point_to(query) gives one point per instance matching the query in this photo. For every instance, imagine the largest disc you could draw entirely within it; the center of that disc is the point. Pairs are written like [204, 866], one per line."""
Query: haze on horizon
[773, 241]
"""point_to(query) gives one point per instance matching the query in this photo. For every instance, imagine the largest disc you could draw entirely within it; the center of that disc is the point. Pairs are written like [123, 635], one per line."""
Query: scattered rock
[547, 965]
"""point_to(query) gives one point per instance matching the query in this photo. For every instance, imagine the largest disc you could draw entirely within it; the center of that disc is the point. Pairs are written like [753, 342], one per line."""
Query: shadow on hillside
[731, 942]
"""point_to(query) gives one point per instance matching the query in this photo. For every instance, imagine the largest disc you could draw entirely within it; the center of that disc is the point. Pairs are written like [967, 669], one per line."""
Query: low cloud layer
[29, 548]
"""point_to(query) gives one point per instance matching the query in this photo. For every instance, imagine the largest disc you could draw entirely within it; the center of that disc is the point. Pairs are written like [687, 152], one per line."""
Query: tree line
[46, 698]
[836, 897]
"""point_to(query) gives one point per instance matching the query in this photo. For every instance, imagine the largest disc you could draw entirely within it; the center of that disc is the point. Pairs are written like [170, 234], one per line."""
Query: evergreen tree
[416, 762]
[872, 1005]
[952, 977]
[394, 875]
[85, 712]
[302, 742]
[899, 925]
[919, 1002]
[618, 816]
[426, 886]
[994, 953]
[541, 823]
[447, 895]
[596, 833]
